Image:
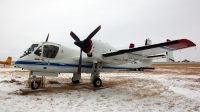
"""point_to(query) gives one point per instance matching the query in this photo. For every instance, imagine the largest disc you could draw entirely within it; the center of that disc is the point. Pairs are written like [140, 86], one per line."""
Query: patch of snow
[186, 92]
[126, 92]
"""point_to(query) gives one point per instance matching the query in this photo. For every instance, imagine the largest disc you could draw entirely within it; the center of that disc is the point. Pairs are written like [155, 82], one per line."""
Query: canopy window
[50, 51]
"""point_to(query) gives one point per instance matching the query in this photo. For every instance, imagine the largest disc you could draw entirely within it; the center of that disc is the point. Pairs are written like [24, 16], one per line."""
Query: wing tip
[182, 44]
[187, 42]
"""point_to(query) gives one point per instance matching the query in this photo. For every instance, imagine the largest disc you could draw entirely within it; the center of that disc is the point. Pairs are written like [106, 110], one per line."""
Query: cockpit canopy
[48, 50]
[30, 49]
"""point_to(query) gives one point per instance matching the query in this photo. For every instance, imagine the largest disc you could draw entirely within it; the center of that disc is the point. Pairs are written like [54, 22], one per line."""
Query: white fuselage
[66, 60]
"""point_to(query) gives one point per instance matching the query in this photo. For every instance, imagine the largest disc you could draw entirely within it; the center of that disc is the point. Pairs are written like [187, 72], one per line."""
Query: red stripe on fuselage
[182, 43]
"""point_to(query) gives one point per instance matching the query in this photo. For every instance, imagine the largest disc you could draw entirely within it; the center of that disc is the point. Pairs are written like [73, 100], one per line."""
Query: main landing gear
[95, 75]
[97, 82]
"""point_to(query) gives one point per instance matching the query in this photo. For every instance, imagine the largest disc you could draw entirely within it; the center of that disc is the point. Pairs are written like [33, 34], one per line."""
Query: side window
[50, 51]
[38, 51]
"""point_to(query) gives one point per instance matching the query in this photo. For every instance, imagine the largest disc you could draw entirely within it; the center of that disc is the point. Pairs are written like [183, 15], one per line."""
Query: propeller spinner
[84, 45]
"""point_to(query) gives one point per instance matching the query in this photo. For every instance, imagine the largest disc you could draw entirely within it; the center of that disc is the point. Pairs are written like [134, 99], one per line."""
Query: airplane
[7, 62]
[50, 59]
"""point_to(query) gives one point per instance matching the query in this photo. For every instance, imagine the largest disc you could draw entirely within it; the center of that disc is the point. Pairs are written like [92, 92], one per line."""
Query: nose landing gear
[35, 85]
[34, 82]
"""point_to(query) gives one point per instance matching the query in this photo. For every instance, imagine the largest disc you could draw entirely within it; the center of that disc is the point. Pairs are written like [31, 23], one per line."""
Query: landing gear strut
[76, 77]
[95, 76]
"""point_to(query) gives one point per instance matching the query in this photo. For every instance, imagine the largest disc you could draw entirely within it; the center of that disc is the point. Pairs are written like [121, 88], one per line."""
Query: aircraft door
[38, 58]
[49, 53]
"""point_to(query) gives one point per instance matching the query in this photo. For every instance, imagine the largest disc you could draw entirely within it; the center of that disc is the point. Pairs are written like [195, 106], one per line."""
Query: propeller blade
[81, 44]
[93, 33]
[79, 64]
[47, 37]
[73, 35]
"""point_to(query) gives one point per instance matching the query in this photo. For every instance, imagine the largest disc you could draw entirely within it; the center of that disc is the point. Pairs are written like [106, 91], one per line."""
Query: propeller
[83, 44]
[47, 37]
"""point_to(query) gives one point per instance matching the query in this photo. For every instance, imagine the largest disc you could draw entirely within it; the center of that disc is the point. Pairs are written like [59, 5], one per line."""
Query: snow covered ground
[126, 91]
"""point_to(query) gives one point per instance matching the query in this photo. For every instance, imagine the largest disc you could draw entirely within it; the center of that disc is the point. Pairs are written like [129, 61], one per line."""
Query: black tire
[35, 85]
[97, 82]
[75, 82]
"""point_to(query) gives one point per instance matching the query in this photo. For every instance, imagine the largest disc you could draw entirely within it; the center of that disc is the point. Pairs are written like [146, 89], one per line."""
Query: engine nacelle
[97, 48]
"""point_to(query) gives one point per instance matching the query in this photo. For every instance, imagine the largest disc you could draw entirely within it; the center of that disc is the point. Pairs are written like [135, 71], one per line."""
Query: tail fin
[169, 55]
[147, 42]
[9, 60]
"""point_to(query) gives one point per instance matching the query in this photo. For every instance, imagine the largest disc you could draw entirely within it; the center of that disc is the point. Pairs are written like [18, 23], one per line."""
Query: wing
[145, 51]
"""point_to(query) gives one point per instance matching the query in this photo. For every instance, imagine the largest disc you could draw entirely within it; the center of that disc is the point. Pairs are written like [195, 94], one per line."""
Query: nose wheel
[35, 85]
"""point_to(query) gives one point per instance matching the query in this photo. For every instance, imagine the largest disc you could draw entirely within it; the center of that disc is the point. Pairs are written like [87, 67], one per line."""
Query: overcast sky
[23, 22]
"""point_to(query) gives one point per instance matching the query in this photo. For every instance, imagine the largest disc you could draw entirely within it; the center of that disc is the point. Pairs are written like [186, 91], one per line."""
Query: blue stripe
[62, 65]
[165, 47]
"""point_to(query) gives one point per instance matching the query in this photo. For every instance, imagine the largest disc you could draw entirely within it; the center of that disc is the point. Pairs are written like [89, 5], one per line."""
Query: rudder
[148, 42]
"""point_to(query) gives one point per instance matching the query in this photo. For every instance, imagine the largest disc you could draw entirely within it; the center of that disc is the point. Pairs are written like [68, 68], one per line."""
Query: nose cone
[16, 64]
[19, 62]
